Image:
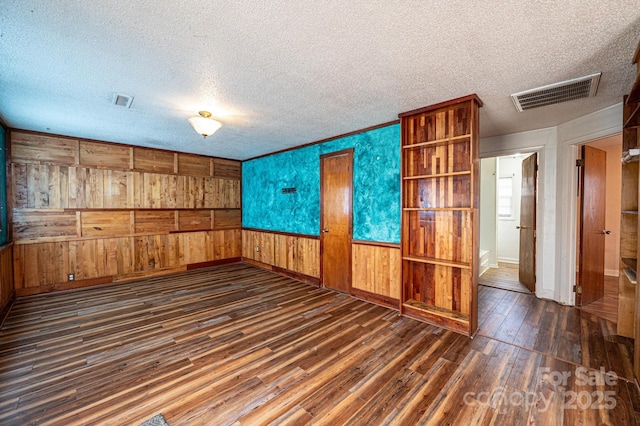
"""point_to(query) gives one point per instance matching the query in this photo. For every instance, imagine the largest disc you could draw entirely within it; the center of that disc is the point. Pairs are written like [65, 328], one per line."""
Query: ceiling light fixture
[204, 124]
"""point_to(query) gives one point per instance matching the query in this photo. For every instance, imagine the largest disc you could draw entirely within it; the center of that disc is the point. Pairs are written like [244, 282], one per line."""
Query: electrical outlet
[71, 277]
[257, 248]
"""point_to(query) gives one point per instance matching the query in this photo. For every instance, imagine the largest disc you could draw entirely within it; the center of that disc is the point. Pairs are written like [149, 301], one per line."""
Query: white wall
[488, 211]
[508, 234]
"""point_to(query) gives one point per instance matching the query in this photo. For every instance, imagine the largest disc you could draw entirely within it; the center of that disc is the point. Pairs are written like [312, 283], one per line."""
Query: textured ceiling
[279, 74]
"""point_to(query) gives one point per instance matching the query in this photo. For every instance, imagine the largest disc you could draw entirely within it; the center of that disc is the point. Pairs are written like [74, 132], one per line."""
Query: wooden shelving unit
[440, 197]
[628, 296]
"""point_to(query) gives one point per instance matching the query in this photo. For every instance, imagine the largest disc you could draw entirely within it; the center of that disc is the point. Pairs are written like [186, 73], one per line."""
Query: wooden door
[336, 182]
[592, 226]
[527, 263]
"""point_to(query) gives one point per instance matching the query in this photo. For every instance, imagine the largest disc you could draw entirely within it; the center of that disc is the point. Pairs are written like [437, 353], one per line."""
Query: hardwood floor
[238, 345]
[606, 307]
[505, 276]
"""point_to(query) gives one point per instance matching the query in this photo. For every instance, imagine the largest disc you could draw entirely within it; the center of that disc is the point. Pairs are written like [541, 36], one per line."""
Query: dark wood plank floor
[505, 276]
[238, 345]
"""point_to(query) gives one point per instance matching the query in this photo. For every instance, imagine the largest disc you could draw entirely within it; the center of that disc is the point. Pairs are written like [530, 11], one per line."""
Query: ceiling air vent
[577, 88]
[122, 100]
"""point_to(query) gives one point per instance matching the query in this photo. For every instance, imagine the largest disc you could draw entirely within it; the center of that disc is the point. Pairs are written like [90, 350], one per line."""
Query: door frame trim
[579, 201]
[540, 205]
[350, 152]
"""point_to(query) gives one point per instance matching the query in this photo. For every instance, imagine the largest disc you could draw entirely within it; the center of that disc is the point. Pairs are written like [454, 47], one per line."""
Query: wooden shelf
[634, 95]
[633, 120]
[434, 310]
[440, 317]
[444, 141]
[631, 276]
[441, 262]
[628, 297]
[631, 263]
[439, 175]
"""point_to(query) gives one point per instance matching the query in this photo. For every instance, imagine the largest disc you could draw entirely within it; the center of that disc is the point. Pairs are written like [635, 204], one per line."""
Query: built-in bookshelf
[440, 201]
[628, 296]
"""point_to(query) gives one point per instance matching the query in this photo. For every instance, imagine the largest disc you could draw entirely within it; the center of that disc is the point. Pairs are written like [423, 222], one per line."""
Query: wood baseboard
[258, 264]
[291, 274]
[300, 277]
[30, 291]
[4, 312]
[71, 285]
[211, 263]
[378, 299]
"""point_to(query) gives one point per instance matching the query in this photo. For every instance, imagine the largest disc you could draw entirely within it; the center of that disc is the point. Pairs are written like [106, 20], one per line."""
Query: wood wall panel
[377, 270]
[46, 265]
[155, 221]
[101, 224]
[30, 224]
[227, 219]
[258, 246]
[194, 220]
[376, 267]
[153, 252]
[105, 155]
[153, 160]
[227, 194]
[194, 189]
[227, 168]
[195, 165]
[35, 148]
[298, 254]
[227, 244]
[115, 189]
[60, 187]
[106, 212]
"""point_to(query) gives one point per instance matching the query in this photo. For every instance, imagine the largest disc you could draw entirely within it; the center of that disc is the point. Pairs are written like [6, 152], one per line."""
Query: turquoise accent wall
[3, 187]
[376, 187]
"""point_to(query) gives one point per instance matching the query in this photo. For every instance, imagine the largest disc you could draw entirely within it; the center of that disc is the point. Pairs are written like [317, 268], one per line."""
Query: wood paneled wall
[7, 292]
[106, 211]
[375, 266]
[294, 255]
[376, 270]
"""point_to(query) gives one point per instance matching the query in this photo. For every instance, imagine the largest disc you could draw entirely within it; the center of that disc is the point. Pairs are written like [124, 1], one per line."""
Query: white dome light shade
[204, 124]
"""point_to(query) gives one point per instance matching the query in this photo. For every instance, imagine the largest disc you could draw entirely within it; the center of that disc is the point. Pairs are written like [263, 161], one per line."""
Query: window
[505, 198]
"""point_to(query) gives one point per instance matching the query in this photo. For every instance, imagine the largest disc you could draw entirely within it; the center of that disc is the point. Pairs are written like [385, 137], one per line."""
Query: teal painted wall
[3, 187]
[376, 187]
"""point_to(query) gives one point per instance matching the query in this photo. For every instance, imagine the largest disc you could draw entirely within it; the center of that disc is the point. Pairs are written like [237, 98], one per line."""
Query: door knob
[522, 227]
[605, 232]
[325, 230]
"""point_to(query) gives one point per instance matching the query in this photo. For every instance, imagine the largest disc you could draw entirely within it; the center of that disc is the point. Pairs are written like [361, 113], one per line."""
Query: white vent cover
[122, 100]
[577, 88]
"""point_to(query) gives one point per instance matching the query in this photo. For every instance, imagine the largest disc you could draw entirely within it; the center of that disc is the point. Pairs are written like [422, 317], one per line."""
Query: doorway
[508, 202]
[336, 204]
[599, 285]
